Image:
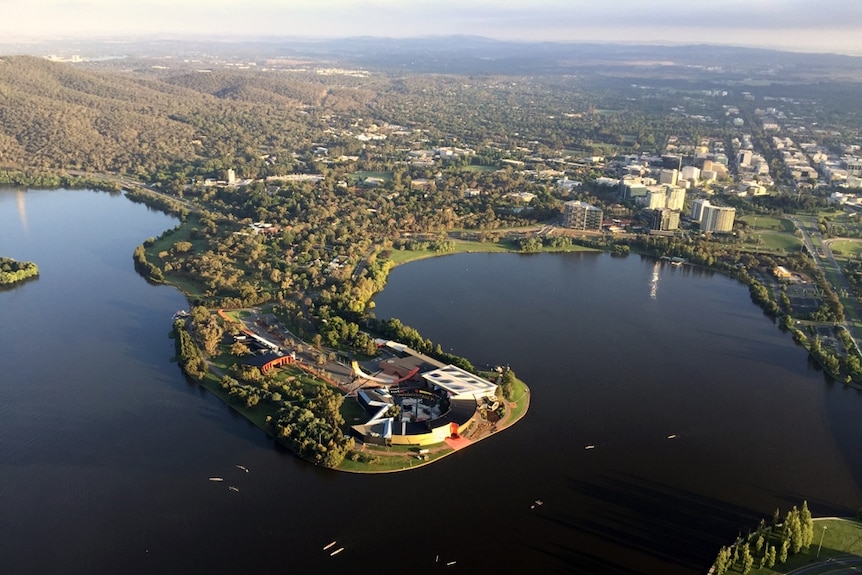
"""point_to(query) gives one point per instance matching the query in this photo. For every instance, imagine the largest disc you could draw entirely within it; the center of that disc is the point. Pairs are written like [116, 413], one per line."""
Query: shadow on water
[673, 525]
[18, 284]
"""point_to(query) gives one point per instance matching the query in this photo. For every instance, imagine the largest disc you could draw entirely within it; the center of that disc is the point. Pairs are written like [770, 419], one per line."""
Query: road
[128, 183]
[824, 259]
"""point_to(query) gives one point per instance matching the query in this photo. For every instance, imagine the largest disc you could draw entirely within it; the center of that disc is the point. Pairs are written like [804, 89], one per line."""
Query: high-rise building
[671, 162]
[582, 216]
[697, 207]
[668, 177]
[717, 219]
[664, 220]
[675, 198]
[656, 199]
[690, 173]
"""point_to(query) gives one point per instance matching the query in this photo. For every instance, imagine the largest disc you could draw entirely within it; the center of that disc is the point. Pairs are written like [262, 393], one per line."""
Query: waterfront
[106, 451]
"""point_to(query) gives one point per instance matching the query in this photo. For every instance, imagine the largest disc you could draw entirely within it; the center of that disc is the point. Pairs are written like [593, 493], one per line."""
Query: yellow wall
[430, 438]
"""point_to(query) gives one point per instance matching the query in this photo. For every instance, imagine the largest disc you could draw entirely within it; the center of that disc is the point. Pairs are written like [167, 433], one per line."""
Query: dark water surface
[105, 450]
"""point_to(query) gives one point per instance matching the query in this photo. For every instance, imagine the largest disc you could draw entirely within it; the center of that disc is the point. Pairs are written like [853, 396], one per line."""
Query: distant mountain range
[466, 54]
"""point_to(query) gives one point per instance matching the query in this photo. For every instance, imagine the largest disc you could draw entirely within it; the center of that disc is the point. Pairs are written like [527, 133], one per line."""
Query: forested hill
[59, 116]
[62, 116]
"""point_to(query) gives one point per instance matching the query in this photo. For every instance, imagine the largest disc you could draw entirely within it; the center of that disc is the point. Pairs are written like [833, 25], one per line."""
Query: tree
[782, 554]
[747, 559]
[807, 525]
[507, 383]
[239, 349]
[770, 556]
[722, 561]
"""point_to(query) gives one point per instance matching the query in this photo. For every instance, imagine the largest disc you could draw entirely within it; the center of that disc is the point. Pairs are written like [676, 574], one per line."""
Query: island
[13, 271]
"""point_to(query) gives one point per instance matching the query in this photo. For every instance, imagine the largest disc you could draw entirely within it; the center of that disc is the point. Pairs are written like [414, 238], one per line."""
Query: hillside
[62, 116]
[59, 116]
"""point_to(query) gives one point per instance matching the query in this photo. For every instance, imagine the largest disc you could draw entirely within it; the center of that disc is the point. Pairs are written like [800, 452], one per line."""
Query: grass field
[473, 168]
[769, 223]
[846, 248]
[780, 241]
[359, 176]
[399, 257]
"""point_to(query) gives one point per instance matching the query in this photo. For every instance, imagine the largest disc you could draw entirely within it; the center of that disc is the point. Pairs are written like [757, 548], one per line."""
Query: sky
[807, 26]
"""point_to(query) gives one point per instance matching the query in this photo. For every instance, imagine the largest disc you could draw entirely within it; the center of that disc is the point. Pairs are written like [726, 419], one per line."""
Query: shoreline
[406, 455]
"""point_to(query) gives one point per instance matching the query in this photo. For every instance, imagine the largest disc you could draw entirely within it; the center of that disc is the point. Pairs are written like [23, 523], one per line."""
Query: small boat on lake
[242, 467]
[336, 552]
[328, 546]
[216, 478]
[234, 489]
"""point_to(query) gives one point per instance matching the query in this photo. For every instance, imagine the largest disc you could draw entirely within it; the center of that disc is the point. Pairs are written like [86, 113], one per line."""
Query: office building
[582, 216]
[717, 219]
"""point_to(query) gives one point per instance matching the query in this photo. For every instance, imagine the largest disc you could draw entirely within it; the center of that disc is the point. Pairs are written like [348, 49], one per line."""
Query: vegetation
[300, 191]
[769, 544]
[13, 271]
[769, 550]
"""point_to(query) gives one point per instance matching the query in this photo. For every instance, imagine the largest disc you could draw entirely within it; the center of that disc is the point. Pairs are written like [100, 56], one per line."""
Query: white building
[691, 173]
[717, 219]
[676, 198]
[697, 207]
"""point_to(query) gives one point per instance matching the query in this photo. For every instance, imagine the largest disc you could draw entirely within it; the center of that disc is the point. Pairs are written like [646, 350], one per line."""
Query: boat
[242, 467]
[539, 502]
[672, 436]
[216, 479]
[336, 552]
[590, 447]
[232, 488]
[328, 546]
[450, 563]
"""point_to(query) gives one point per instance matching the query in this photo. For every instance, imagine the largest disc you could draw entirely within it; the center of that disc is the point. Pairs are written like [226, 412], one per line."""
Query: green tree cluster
[146, 268]
[768, 544]
[188, 354]
[313, 430]
[12, 271]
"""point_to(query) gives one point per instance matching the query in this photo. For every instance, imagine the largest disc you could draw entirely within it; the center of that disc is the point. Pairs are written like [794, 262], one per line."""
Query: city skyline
[780, 24]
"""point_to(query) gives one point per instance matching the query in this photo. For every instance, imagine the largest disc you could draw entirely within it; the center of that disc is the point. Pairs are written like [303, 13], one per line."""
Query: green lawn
[405, 460]
[399, 257]
[769, 223]
[473, 168]
[779, 240]
[359, 176]
[461, 246]
[520, 394]
[181, 234]
[846, 248]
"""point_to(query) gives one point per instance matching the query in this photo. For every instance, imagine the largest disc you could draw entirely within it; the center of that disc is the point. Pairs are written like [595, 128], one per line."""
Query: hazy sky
[820, 25]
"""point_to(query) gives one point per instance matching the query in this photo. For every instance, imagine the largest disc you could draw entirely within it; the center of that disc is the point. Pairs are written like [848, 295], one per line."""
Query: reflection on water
[653, 284]
[22, 209]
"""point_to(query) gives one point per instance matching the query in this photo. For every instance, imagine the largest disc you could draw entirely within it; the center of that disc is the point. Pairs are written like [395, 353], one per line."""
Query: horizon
[786, 25]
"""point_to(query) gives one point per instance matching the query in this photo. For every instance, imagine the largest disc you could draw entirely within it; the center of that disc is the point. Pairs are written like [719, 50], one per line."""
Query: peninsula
[399, 410]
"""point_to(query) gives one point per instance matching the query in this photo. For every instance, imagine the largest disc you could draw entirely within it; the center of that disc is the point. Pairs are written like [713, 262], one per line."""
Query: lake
[106, 449]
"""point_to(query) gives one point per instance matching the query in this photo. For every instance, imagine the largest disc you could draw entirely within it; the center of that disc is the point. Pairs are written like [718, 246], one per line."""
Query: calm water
[105, 450]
